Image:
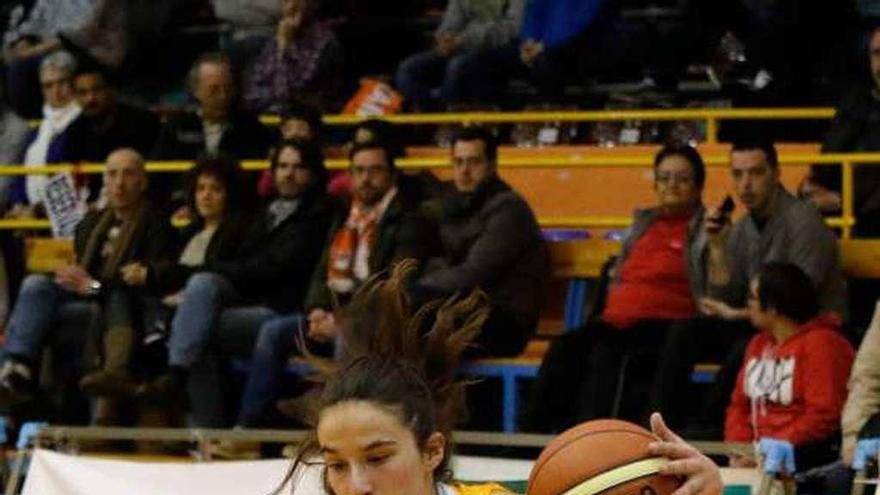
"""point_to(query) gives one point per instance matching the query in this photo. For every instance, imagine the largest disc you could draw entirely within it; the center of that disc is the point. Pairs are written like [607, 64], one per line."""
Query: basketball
[606, 456]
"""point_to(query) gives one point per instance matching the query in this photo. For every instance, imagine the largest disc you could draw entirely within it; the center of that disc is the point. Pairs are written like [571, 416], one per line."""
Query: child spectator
[792, 385]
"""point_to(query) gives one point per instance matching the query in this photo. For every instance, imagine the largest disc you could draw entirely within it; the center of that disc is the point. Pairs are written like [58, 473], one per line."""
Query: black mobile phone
[726, 207]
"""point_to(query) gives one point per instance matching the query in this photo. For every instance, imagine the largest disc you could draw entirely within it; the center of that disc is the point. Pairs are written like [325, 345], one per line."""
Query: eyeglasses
[670, 177]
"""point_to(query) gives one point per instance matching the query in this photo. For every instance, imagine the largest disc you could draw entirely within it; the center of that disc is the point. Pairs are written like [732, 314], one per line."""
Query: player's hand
[702, 476]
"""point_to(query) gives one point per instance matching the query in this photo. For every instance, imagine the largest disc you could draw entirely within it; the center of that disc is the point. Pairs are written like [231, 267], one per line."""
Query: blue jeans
[237, 329]
[43, 307]
[275, 343]
[204, 297]
[418, 75]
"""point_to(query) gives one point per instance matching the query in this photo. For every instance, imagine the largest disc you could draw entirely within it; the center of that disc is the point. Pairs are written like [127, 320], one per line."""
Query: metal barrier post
[847, 199]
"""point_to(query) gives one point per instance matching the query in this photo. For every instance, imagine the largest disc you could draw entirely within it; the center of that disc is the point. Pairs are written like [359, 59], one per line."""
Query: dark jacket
[403, 232]
[183, 138]
[492, 241]
[223, 247]
[274, 266]
[152, 243]
[856, 128]
[91, 139]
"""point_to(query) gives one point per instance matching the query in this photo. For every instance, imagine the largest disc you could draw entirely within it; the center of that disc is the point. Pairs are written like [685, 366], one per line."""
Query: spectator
[299, 121]
[792, 384]
[218, 124]
[861, 414]
[558, 41]
[213, 237]
[302, 63]
[655, 285]
[777, 227]
[382, 227]
[94, 30]
[118, 252]
[105, 124]
[48, 143]
[468, 28]
[492, 241]
[251, 23]
[268, 275]
[855, 128]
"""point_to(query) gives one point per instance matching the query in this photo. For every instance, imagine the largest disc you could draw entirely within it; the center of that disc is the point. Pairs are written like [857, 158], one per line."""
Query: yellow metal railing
[847, 160]
[711, 116]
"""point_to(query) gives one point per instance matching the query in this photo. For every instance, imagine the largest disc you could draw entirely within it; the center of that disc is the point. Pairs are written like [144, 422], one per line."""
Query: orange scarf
[348, 259]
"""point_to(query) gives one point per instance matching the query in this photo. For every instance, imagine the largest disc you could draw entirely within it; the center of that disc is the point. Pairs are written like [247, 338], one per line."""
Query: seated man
[107, 243]
[217, 125]
[777, 227]
[792, 384]
[106, 124]
[855, 128]
[383, 226]
[268, 275]
[468, 28]
[491, 240]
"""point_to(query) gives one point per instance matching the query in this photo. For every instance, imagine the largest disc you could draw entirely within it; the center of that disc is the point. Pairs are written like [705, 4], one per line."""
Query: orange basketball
[606, 456]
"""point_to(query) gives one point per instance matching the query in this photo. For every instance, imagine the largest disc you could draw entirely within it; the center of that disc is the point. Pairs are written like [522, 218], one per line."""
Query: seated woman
[792, 384]
[218, 198]
[383, 421]
[655, 283]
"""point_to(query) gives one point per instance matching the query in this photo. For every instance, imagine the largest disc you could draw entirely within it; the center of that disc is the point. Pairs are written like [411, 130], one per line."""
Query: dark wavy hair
[311, 155]
[227, 170]
[390, 361]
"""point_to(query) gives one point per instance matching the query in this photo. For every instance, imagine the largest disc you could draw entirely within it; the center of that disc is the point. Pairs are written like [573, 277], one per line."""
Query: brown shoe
[168, 389]
[108, 383]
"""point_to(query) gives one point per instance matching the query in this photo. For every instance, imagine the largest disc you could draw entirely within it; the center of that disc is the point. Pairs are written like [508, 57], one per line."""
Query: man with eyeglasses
[491, 241]
[383, 225]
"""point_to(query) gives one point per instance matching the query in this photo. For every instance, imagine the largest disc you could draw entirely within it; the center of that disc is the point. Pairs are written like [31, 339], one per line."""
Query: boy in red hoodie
[792, 385]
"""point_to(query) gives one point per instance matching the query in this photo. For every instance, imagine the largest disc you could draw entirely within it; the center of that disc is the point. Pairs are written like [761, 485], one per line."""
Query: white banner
[52, 473]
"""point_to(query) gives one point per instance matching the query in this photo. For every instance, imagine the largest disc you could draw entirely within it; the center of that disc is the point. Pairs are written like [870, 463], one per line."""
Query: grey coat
[794, 233]
[492, 241]
[483, 24]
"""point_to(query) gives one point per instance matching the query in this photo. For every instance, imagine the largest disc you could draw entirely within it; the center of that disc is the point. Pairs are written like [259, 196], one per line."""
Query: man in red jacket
[792, 386]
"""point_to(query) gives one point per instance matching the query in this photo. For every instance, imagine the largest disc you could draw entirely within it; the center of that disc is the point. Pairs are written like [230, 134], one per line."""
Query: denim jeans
[236, 332]
[204, 297]
[275, 342]
[42, 308]
[418, 75]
